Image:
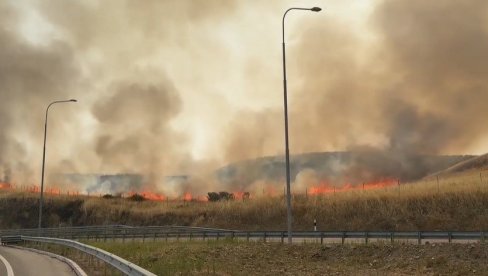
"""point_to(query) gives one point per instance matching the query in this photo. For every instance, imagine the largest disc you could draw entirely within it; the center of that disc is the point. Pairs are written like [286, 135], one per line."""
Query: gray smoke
[417, 87]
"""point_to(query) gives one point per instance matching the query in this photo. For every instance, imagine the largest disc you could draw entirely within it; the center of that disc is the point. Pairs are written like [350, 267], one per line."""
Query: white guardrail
[123, 265]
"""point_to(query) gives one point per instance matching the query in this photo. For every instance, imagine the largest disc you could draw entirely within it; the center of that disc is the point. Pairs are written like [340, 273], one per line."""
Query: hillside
[452, 204]
[352, 167]
[478, 163]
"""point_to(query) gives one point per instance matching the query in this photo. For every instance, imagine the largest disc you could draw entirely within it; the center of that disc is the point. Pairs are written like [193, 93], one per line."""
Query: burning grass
[459, 202]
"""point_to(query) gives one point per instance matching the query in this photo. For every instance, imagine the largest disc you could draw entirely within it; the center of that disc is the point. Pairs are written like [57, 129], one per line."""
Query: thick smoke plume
[169, 88]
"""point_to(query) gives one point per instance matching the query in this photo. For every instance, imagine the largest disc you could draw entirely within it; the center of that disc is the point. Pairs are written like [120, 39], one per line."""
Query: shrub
[213, 196]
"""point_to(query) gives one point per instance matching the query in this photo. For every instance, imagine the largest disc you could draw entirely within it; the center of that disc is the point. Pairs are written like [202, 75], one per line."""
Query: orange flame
[5, 185]
[153, 196]
[326, 188]
[187, 196]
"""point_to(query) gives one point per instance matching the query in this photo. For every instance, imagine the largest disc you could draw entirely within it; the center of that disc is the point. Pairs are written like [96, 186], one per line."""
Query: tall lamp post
[44, 159]
[287, 150]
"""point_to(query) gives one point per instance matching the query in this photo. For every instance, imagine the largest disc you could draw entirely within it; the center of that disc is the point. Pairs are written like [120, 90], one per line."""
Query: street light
[44, 159]
[287, 150]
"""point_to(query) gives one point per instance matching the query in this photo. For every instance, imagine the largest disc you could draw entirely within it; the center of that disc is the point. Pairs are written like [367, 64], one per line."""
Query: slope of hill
[475, 163]
[338, 167]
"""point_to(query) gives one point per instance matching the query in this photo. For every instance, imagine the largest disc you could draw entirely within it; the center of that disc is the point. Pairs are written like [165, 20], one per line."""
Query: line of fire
[314, 174]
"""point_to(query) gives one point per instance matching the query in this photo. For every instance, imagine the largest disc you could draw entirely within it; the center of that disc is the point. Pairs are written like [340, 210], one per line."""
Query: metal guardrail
[12, 239]
[123, 232]
[123, 265]
[108, 231]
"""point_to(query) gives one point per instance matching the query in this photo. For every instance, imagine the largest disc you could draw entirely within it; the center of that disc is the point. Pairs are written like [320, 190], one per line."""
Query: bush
[213, 196]
[226, 196]
[221, 196]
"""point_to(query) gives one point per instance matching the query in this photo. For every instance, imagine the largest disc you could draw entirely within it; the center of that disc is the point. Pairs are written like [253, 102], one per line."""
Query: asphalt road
[18, 262]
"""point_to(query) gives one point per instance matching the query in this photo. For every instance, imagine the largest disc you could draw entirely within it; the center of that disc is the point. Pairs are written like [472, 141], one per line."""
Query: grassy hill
[475, 163]
[453, 203]
[352, 166]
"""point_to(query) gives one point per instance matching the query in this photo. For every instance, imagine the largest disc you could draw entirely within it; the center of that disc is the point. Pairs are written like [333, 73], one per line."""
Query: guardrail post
[450, 236]
[177, 236]
[366, 237]
[143, 237]
[247, 236]
[204, 235]
[321, 237]
[264, 236]
[343, 237]
[218, 235]
[154, 237]
[191, 236]
[391, 237]
[167, 234]
[419, 237]
[282, 237]
[232, 235]
[482, 236]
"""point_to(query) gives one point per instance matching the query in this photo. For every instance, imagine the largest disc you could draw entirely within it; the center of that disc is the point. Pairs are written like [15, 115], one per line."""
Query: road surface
[18, 262]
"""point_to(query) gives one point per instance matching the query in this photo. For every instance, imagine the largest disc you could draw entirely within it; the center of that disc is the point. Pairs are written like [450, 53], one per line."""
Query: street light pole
[287, 149]
[44, 160]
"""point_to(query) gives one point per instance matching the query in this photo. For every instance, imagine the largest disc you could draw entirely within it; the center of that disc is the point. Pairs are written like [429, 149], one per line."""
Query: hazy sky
[163, 85]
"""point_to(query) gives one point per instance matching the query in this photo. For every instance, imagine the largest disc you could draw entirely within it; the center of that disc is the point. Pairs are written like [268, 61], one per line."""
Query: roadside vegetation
[458, 202]
[232, 257]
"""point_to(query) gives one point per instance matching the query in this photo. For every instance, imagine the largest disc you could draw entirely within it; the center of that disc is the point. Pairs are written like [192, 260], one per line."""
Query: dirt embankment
[241, 258]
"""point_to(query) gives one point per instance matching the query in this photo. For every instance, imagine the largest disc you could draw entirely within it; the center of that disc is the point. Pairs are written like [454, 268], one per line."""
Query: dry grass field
[457, 202]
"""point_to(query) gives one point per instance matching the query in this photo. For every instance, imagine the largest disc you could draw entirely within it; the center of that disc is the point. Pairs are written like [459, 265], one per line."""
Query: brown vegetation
[456, 203]
[231, 257]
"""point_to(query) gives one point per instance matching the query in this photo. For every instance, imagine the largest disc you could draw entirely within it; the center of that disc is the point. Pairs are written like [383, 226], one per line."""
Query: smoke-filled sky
[178, 86]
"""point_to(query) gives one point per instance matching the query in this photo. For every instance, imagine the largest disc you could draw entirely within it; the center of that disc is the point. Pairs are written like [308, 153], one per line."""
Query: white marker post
[315, 225]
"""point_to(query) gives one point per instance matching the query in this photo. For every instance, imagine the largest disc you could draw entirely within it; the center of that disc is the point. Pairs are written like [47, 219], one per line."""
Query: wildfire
[187, 196]
[153, 196]
[241, 195]
[326, 188]
[53, 191]
[5, 185]
[33, 189]
[37, 189]
[149, 195]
